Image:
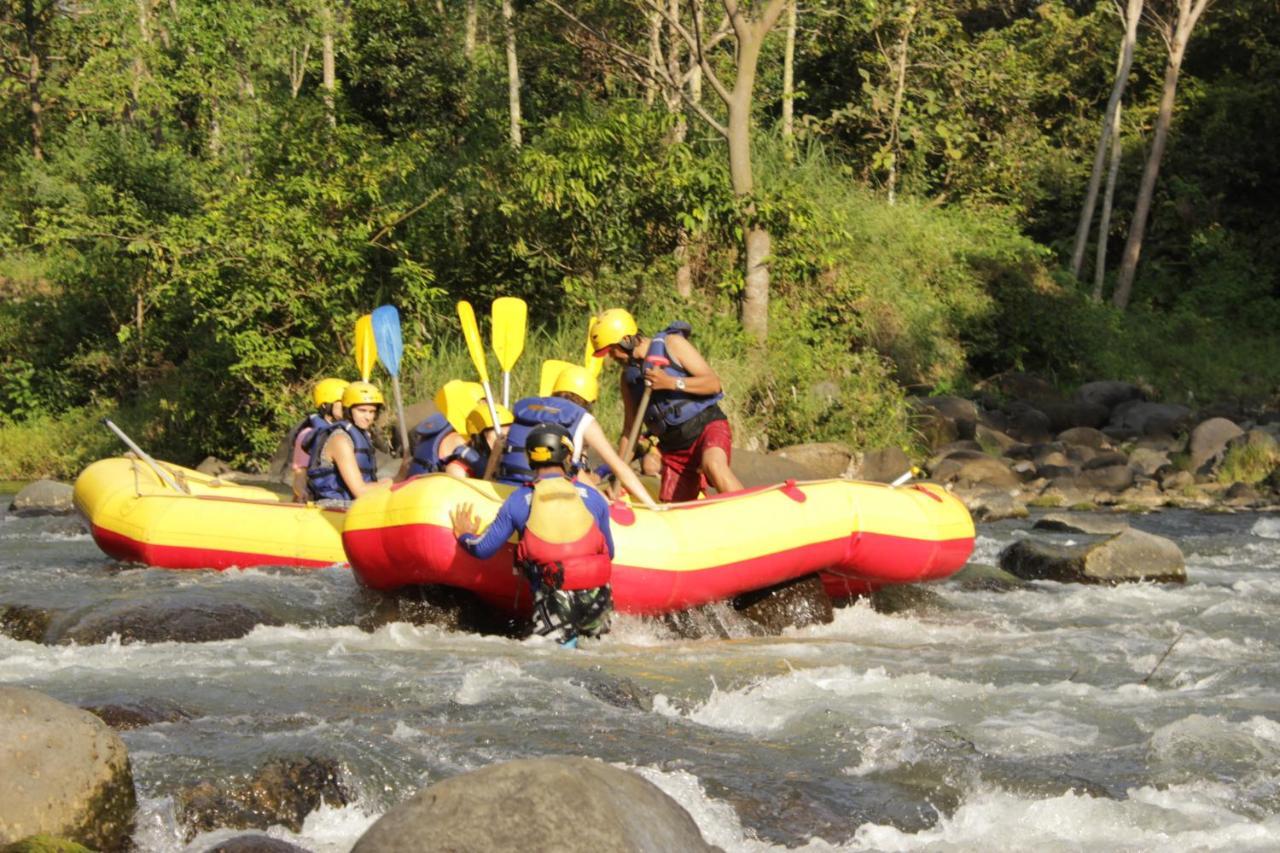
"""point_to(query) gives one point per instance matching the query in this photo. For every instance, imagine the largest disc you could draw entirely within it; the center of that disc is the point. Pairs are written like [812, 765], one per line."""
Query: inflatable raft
[859, 536]
[136, 516]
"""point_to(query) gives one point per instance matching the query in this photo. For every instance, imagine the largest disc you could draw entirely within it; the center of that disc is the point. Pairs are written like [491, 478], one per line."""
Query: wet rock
[542, 803]
[1085, 437]
[994, 505]
[1208, 442]
[255, 844]
[283, 791]
[446, 607]
[62, 773]
[756, 469]
[137, 715]
[1109, 393]
[1142, 418]
[976, 576]
[790, 604]
[618, 692]
[959, 411]
[1090, 523]
[172, 620]
[1147, 461]
[43, 497]
[1114, 478]
[967, 472]
[717, 621]
[1131, 555]
[24, 622]
[905, 598]
[883, 465]
[826, 459]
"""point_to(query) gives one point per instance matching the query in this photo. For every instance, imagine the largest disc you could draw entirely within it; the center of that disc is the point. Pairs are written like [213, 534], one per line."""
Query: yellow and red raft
[214, 524]
[857, 535]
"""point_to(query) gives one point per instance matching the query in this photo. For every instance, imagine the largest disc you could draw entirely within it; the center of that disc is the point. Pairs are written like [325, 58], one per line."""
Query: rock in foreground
[62, 773]
[565, 804]
[1126, 557]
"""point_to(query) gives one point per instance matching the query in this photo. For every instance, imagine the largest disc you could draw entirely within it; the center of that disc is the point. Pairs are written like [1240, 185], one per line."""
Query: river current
[1048, 717]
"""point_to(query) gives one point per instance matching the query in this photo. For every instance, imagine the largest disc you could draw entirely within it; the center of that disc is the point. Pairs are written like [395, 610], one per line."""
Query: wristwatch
[679, 384]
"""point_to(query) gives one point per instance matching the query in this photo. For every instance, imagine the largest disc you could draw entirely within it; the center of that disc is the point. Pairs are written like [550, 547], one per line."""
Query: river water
[978, 718]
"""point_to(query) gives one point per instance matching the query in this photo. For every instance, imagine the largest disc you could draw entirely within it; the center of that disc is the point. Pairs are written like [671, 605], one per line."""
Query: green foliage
[1249, 462]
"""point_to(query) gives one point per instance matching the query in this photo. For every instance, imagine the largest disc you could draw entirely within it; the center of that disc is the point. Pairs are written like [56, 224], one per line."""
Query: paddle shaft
[404, 428]
[142, 454]
[634, 435]
[499, 442]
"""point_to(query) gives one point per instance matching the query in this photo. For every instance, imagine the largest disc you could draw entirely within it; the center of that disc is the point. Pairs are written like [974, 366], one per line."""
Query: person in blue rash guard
[566, 546]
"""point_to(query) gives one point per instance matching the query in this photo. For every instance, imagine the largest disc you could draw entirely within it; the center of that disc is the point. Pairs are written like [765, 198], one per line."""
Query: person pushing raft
[683, 411]
[566, 546]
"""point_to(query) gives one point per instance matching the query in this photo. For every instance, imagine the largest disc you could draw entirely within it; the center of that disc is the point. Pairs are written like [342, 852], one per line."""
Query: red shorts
[682, 476]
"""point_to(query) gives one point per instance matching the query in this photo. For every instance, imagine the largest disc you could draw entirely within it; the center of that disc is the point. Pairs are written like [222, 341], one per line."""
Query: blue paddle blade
[386, 332]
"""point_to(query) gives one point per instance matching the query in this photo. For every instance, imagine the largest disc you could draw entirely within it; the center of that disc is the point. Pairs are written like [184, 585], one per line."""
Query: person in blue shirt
[566, 545]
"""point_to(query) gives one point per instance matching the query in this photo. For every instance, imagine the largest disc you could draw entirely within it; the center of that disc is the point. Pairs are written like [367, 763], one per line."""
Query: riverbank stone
[63, 773]
[755, 469]
[1128, 556]
[825, 459]
[563, 804]
[43, 497]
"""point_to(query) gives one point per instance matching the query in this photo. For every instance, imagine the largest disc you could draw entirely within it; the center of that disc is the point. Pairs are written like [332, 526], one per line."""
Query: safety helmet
[610, 328]
[455, 400]
[548, 444]
[362, 394]
[328, 391]
[480, 419]
[577, 380]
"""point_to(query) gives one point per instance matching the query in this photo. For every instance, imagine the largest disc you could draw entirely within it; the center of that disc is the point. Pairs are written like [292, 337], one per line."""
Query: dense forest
[852, 200]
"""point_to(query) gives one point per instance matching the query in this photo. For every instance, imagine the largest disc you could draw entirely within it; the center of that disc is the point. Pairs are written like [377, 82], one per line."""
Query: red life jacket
[562, 540]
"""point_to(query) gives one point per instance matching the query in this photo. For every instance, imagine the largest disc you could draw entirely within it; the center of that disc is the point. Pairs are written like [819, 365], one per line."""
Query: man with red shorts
[683, 413]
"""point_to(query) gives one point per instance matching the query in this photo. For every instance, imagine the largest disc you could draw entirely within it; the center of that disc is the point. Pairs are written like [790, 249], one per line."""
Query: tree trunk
[513, 72]
[1104, 221]
[139, 58]
[328, 71]
[899, 93]
[469, 31]
[1178, 39]
[655, 57]
[755, 293]
[1124, 62]
[788, 85]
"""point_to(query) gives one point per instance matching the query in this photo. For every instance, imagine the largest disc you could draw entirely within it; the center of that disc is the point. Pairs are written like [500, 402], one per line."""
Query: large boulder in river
[1130, 555]
[175, 618]
[791, 604]
[62, 773]
[43, 497]
[1208, 442]
[564, 804]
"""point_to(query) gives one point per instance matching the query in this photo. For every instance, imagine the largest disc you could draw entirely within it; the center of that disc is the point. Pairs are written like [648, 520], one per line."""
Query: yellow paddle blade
[366, 347]
[509, 317]
[589, 359]
[550, 370]
[456, 398]
[471, 332]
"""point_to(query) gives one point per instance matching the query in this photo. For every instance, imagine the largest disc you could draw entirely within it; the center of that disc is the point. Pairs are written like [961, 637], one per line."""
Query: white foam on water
[770, 704]
[717, 821]
[1191, 817]
[861, 623]
[1042, 731]
[488, 681]
[1250, 748]
[1266, 527]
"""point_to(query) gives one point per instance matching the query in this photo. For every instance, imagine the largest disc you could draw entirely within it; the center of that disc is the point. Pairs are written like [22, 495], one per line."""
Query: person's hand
[464, 520]
[658, 379]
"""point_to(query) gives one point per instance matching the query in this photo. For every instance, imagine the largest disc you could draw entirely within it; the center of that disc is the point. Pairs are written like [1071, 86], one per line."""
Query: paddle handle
[495, 453]
[142, 454]
[404, 428]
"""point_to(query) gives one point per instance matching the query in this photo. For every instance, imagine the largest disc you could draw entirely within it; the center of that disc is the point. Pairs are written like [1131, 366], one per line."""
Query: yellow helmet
[480, 420]
[455, 400]
[328, 391]
[610, 328]
[577, 380]
[362, 394]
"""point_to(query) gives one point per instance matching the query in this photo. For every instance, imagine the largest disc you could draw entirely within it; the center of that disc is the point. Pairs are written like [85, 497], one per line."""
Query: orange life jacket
[561, 542]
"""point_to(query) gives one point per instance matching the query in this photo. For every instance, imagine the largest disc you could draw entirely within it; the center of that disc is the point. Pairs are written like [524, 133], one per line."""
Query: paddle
[142, 454]
[510, 315]
[366, 348]
[471, 331]
[386, 333]
[550, 371]
[651, 361]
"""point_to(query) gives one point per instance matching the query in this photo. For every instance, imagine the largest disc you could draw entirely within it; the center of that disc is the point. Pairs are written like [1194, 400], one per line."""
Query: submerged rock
[976, 576]
[62, 773]
[255, 844]
[136, 715]
[790, 604]
[24, 622]
[446, 607]
[170, 620]
[43, 497]
[283, 791]
[1131, 555]
[537, 804]
[618, 692]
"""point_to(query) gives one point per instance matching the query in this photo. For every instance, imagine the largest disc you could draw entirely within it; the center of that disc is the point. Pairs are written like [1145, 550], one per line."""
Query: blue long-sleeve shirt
[514, 516]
